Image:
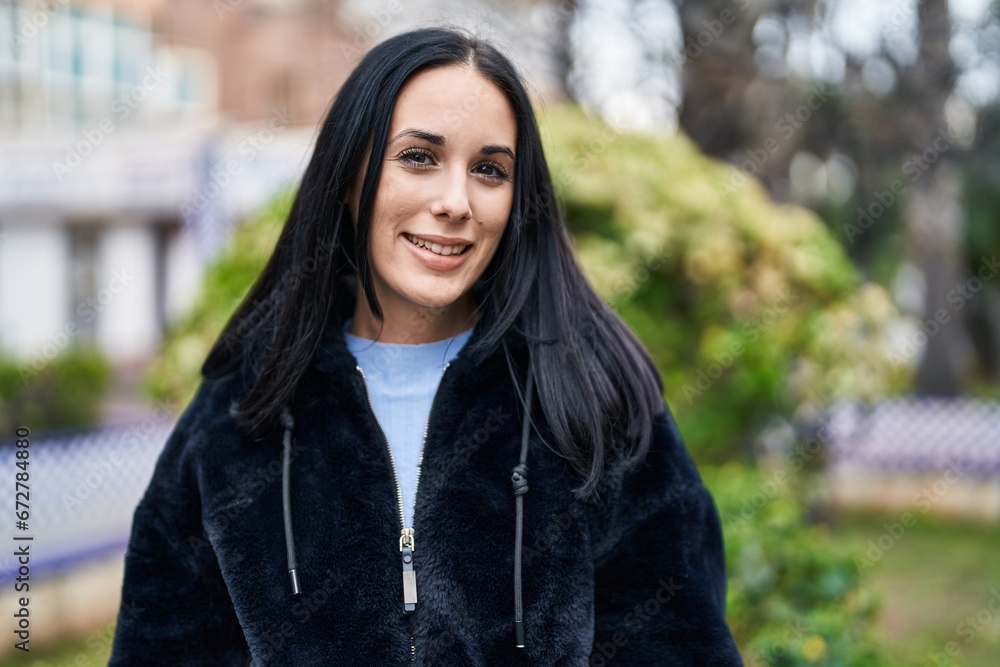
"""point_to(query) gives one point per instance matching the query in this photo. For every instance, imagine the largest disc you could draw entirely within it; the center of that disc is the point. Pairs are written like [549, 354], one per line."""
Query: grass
[92, 649]
[64, 653]
[937, 579]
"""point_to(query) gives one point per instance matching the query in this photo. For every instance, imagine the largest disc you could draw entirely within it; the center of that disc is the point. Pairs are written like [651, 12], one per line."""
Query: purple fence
[918, 434]
[84, 486]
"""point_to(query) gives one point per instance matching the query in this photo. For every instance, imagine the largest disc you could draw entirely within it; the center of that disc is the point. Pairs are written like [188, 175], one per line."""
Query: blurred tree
[876, 116]
[932, 208]
[982, 205]
[562, 18]
[730, 107]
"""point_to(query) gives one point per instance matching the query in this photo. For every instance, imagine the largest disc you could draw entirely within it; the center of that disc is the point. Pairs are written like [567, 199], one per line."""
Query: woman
[423, 306]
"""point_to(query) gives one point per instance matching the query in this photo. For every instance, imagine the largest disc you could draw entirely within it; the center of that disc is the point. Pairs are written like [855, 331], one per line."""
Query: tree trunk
[932, 209]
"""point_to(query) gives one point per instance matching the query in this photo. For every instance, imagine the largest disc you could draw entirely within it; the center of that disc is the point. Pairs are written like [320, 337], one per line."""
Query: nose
[452, 198]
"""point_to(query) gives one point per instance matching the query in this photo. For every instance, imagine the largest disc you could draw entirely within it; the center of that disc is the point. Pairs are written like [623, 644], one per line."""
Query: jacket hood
[334, 357]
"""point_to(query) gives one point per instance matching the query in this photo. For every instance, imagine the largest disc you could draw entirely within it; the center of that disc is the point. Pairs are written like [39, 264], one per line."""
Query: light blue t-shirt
[402, 379]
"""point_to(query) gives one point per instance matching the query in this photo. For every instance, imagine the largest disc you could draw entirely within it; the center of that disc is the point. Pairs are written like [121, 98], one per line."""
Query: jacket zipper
[406, 542]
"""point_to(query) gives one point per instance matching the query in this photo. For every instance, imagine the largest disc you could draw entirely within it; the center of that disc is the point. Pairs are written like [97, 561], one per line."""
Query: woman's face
[446, 183]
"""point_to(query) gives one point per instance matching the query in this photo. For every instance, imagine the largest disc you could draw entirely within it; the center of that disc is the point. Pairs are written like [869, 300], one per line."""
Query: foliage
[65, 393]
[750, 309]
[795, 597]
[174, 375]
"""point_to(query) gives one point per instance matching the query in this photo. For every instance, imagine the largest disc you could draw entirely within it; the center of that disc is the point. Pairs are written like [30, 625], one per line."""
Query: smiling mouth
[436, 248]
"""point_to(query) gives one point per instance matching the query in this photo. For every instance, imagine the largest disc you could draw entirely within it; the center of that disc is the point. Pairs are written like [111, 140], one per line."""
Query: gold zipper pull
[409, 576]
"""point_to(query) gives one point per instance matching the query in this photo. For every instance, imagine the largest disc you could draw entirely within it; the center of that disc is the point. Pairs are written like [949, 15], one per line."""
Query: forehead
[455, 102]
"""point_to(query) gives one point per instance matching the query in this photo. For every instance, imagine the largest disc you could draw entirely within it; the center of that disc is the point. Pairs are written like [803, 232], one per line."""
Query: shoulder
[198, 436]
[666, 466]
[664, 483]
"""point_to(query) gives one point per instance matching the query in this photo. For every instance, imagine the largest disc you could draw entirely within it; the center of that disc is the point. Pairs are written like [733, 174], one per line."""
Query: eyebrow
[438, 140]
[430, 137]
[490, 150]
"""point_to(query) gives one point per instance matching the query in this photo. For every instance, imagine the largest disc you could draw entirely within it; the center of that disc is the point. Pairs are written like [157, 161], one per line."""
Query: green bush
[65, 393]
[795, 597]
[174, 374]
[750, 309]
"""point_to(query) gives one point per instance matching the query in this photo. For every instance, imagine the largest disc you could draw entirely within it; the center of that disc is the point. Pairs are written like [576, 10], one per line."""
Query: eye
[416, 157]
[492, 171]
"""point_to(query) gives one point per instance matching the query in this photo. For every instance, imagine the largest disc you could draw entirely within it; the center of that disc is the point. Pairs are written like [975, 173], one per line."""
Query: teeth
[436, 248]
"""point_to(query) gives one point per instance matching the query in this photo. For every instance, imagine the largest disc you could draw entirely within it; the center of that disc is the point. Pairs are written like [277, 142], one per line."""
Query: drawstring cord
[286, 500]
[519, 481]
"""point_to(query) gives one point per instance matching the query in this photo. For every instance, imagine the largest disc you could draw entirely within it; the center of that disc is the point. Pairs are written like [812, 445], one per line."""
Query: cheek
[495, 233]
[392, 205]
[496, 208]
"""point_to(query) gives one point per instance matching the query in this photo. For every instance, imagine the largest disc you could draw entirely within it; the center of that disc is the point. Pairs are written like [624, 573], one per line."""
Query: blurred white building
[124, 159]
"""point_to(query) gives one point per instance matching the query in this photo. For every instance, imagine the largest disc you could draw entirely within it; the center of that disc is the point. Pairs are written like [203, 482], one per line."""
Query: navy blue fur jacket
[636, 578]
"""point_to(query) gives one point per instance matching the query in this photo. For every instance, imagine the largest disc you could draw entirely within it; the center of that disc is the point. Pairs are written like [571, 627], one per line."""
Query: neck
[412, 323]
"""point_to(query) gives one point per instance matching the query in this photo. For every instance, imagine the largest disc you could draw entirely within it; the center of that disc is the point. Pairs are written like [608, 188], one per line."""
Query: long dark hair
[596, 384]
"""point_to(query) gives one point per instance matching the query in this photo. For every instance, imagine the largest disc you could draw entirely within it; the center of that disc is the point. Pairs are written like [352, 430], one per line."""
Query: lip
[434, 261]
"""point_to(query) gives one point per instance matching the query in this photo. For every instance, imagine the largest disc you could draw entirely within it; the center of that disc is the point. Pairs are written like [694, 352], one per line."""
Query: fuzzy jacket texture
[637, 578]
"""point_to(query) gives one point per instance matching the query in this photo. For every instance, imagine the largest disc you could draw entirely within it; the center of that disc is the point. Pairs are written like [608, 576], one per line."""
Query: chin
[433, 298]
